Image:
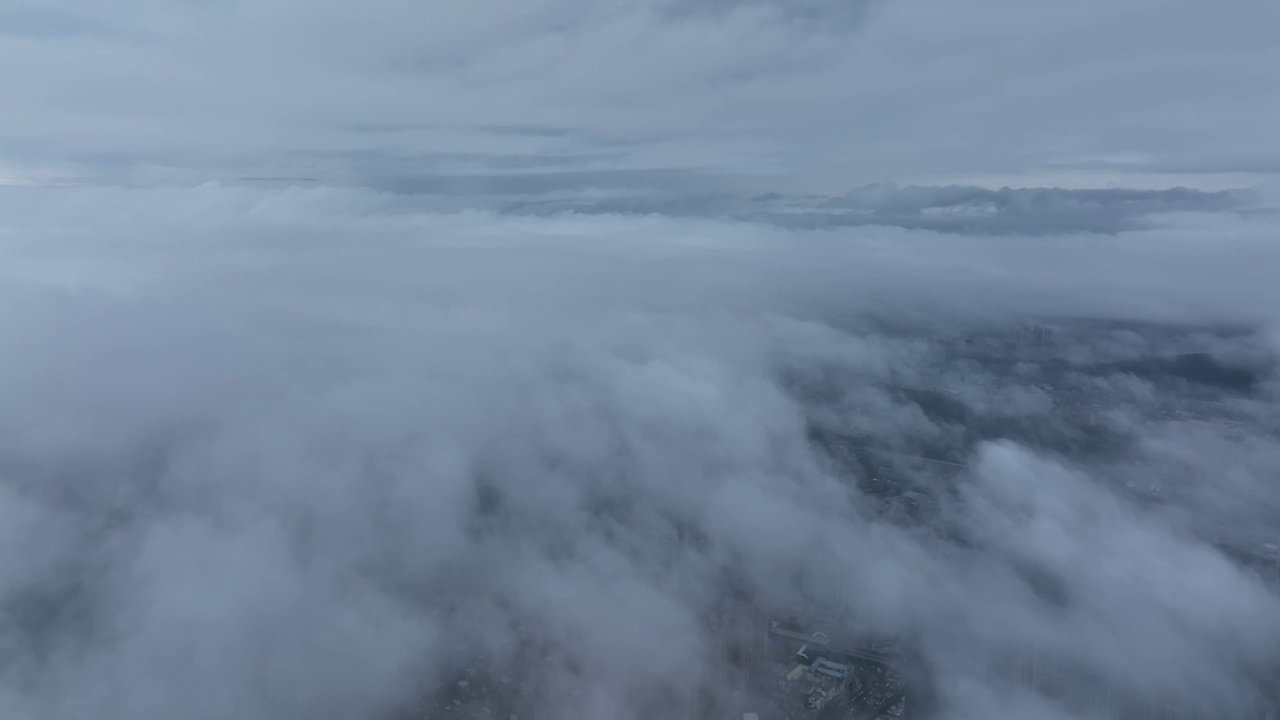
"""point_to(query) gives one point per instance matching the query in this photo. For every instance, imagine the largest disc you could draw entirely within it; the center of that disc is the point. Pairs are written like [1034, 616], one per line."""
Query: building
[808, 689]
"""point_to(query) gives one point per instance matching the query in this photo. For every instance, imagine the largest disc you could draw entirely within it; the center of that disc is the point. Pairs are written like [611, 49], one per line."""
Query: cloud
[287, 452]
[400, 358]
[803, 96]
[957, 209]
[43, 24]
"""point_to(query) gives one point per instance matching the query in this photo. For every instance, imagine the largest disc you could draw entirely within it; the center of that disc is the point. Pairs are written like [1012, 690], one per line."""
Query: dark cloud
[35, 23]
[956, 209]
[1022, 210]
[818, 15]
[535, 183]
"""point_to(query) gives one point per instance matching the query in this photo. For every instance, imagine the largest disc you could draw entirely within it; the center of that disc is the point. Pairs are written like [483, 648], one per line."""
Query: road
[832, 648]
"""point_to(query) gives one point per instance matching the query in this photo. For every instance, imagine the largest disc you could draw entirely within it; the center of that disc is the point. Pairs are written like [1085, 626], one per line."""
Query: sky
[802, 96]
[353, 347]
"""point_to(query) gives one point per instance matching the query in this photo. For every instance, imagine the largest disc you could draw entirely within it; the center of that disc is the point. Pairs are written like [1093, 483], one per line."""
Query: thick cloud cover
[404, 359]
[313, 452]
[798, 96]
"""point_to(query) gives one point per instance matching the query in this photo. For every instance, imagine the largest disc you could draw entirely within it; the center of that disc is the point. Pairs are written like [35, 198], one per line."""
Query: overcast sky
[814, 95]
[513, 319]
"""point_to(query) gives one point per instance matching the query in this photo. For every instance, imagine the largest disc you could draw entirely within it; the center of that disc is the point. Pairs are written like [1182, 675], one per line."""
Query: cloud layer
[814, 96]
[313, 452]
[423, 359]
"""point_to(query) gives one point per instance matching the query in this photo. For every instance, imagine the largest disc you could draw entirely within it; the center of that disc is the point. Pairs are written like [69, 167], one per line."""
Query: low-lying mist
[286, 454]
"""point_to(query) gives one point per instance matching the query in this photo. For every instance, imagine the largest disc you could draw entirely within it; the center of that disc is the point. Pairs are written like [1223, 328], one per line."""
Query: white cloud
[349, 343]
[302, 450]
